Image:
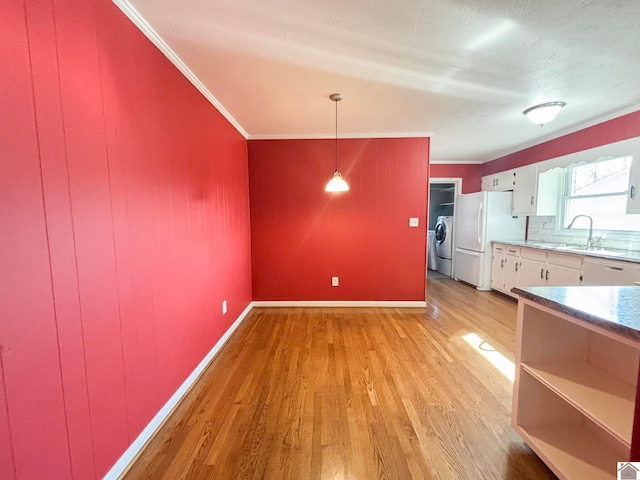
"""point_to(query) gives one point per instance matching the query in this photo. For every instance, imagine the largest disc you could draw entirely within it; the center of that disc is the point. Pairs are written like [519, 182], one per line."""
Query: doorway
[441, 234]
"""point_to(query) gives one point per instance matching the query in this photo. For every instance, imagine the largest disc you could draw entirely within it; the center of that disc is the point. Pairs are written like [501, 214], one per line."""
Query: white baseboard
[365, 303]
[138, 444]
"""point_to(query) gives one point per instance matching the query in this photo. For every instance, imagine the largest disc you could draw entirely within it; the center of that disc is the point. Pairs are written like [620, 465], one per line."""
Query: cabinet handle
[546, 277]
[616, 269]
[502, 263]
[632, 192]
[497, 181]
[511, 251]
[531, 199]
[542, 273]
[516, 266]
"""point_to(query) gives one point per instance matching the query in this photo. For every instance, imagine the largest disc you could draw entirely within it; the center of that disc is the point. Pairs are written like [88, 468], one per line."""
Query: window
[599, 189]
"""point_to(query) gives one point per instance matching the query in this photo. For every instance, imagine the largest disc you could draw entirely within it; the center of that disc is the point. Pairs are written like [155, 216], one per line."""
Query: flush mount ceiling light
[337, 182]
[541, 114]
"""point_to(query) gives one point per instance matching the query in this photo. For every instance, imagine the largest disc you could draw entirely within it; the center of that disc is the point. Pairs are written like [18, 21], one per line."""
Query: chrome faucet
[589, 241]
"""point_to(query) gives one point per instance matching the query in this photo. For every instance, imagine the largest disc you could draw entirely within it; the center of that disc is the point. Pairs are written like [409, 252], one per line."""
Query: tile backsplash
[543, 229]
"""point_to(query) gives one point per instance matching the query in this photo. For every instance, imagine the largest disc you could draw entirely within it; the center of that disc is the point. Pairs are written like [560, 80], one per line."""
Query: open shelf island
[576, 384]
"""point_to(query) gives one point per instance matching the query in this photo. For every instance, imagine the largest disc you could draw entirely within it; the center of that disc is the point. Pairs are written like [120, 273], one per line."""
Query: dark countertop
[609, 253]
[616, 309]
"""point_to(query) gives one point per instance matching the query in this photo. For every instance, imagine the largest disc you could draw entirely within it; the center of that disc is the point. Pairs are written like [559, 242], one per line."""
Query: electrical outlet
[224, 307]
[413, 221]
[335, 281]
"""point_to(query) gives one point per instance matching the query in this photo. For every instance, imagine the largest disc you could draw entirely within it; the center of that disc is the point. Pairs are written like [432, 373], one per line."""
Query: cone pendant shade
[337, 184]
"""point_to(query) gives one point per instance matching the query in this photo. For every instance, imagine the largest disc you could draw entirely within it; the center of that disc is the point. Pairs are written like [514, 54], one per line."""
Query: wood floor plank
[353, 393]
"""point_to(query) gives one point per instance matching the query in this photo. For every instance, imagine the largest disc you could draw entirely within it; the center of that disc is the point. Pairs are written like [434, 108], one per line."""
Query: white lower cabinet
[505, 268]
[532, 267]
[515, 266]
[497, 269]
[556, 276]
[531, 273]
[574, 392]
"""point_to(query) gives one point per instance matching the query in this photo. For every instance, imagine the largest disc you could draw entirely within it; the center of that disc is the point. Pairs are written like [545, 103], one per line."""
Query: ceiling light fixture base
[543, 113]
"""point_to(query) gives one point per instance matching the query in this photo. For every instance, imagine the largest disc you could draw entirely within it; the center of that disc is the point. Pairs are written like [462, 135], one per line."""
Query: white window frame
[564, 197]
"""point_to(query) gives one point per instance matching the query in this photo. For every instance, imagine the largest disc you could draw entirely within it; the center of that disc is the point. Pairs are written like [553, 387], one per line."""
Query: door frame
[457, 181]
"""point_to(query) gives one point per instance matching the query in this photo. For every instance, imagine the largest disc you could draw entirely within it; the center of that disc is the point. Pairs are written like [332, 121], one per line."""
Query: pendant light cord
[336, 136]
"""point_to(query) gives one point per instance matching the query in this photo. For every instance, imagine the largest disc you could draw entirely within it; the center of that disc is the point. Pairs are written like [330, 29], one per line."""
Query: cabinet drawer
[571, 261]
[511, 250]
[534, 254]
[499, 248]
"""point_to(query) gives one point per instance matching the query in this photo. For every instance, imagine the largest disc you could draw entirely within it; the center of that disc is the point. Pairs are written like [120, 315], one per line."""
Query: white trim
[137, 19]
[121, 466]
[455, 162]
[565, 131]
[339, 303]
[331, 136]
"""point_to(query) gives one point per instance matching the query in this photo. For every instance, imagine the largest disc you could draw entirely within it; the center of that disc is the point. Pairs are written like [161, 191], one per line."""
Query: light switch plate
[413, 221]
[335, 281]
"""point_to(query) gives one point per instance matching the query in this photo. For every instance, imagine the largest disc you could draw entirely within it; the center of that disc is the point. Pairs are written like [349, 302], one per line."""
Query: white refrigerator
[480, 219]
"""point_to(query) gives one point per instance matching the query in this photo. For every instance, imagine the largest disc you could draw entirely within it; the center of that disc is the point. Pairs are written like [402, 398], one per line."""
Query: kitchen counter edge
[631, 256]
[620, 313]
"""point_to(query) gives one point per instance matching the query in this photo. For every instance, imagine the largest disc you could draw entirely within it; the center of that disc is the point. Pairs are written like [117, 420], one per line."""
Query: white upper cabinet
[633, 195]
[534, 193]
[498, 182]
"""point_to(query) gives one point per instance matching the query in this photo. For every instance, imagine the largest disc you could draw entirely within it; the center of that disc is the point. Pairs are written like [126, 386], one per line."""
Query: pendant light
[545, 113]
[337, 182]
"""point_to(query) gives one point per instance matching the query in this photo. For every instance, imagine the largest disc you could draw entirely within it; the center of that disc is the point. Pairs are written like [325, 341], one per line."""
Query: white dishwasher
[601, 271]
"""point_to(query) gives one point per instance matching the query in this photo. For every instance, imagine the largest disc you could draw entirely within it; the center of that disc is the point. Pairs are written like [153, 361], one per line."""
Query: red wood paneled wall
[302, 236]
[471, 174]
[124, 222]
[615, 130]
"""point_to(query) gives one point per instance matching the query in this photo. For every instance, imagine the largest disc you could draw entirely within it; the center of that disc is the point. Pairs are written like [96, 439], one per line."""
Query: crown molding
[157, 40]
[455, 162]
[331, 136]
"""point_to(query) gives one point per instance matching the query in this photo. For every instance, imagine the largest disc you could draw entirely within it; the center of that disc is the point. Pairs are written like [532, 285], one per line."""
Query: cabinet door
[512, 273]
[488, 183]
[531, 273]
[633, 195]
[497, 271]
[498, 182]
[525, 190]
[556, 276]
[505, 180]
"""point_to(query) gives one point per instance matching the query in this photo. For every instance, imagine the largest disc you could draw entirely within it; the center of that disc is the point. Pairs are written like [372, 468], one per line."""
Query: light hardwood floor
[353, 393]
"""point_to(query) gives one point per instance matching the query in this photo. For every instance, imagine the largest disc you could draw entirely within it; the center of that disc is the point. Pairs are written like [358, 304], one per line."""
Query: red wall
[124, 222]
[302, 236]
[470, 174]
[618, 129]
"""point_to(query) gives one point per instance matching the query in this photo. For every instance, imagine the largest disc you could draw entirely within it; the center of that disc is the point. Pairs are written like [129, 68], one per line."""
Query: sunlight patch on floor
[502, 363]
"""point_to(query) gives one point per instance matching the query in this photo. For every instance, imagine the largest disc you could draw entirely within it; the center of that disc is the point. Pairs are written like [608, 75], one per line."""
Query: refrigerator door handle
[479, 218]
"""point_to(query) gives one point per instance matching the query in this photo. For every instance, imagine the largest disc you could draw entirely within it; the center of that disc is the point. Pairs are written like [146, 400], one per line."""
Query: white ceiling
[460, 70]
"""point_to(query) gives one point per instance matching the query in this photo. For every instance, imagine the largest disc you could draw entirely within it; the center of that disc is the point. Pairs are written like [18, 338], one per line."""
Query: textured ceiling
[460, 70]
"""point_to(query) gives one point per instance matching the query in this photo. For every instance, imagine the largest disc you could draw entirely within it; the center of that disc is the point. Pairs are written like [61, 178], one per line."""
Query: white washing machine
[444, 244]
